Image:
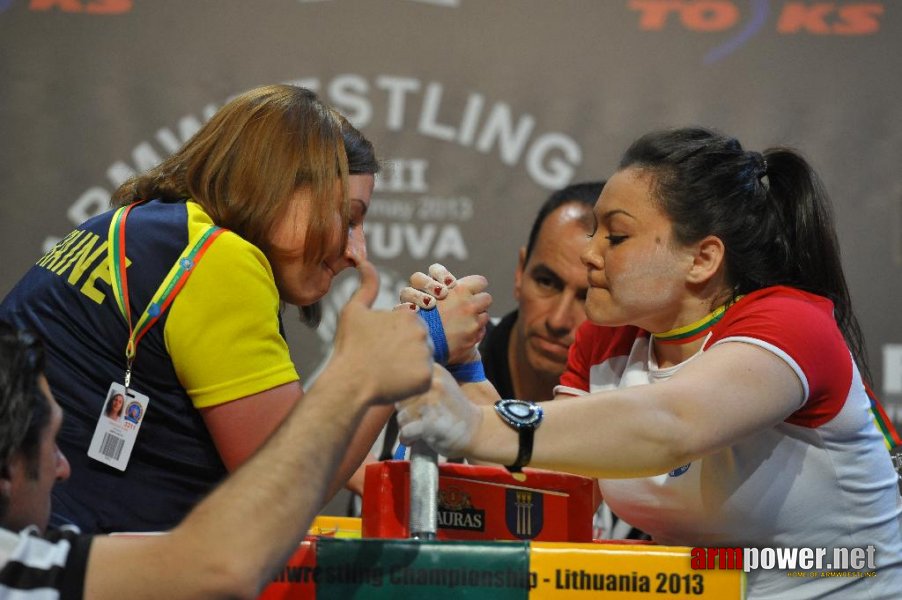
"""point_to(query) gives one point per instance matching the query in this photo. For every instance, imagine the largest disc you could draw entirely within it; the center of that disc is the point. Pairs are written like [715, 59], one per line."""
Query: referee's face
[30, 481]
[550, 288]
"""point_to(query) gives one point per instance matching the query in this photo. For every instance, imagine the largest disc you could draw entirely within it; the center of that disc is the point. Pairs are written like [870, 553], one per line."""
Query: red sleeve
[594, 345]
[576, 375]
[800, 328]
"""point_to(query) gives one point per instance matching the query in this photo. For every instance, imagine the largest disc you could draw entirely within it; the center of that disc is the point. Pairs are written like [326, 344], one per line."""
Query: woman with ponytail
[718, 389]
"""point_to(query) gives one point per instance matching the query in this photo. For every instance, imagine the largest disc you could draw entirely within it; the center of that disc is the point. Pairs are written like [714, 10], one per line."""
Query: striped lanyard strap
[165, 294]
[884, 424]
[694, 331]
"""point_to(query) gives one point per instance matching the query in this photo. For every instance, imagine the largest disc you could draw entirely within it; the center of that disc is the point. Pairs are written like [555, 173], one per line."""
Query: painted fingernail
[438, 289]
[427, 300]
[412, 306]
[449, 280]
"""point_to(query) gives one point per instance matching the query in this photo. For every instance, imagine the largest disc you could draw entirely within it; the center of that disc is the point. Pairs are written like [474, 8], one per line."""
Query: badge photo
[117, 426]
[114, 406]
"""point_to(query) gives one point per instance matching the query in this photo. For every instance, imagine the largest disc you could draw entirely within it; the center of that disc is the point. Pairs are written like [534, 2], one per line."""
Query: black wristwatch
[525, 417]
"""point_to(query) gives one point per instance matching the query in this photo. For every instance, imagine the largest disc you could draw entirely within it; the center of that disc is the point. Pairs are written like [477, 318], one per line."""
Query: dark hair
[24, 409]
[770, 210]
[361, 155]
[109, 407]
[585, 193]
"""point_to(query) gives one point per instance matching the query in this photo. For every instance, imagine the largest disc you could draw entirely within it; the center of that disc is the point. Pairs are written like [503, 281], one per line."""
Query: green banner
[395, 569]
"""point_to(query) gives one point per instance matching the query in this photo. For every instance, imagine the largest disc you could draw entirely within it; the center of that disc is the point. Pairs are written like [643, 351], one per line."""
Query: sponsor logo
[89, 7]
[134, 412]
[799, 562]
[524, 512]
[455, 511]
[745, 20]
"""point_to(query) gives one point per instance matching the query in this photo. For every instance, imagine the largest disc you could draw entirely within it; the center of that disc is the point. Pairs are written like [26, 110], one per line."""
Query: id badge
[117, 426]
[896, 456]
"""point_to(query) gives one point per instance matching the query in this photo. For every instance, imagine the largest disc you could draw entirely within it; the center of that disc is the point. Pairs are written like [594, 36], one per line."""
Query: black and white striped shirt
[43, 567]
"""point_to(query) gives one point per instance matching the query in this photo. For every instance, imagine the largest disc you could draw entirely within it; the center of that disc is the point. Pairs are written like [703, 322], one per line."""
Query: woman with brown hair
[115, 406]
[173, 299]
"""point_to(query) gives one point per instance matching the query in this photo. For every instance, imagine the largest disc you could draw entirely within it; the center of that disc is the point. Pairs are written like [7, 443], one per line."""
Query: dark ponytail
[814, 262]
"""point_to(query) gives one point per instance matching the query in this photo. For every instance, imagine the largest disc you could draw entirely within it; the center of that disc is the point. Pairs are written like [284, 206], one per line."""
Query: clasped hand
[463, 305]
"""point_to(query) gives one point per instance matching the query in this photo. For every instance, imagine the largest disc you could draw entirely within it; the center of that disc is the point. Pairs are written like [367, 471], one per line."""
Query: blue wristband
[400, 452]
[471, 372]
[437, 333]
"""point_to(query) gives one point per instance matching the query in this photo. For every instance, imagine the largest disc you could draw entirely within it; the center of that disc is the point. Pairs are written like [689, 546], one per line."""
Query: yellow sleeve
[222, 331]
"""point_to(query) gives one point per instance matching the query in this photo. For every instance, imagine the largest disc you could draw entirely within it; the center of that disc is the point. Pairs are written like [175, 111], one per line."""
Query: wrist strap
[524, 454]
[437, 332]
[471, 372]
[400, 452]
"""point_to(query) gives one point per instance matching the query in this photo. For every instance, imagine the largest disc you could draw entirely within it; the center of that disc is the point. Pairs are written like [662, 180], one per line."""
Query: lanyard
[693, 331]
[165, 294]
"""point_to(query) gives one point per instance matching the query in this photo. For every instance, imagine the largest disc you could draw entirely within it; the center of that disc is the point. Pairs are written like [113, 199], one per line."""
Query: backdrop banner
[479, 107]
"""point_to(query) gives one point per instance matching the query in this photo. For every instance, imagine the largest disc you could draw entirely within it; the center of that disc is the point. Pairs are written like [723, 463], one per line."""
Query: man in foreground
[249, 525]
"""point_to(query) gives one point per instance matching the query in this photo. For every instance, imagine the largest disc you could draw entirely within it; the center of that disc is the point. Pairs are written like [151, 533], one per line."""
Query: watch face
[519, 410]
[519, 414]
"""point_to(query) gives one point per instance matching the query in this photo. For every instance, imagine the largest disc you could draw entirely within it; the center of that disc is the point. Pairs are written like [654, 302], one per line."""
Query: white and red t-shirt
[821, 478]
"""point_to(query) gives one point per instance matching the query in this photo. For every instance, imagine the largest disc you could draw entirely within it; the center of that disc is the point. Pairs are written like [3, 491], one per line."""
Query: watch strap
[524, 454]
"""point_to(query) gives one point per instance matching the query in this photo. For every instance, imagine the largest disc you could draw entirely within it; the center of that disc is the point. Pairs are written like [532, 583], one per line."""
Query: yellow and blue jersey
[220, 340]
